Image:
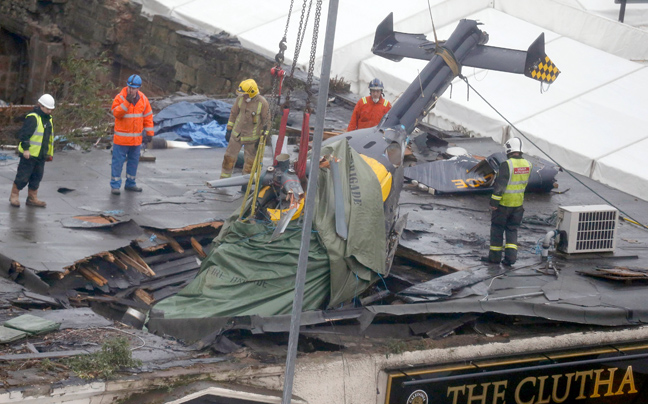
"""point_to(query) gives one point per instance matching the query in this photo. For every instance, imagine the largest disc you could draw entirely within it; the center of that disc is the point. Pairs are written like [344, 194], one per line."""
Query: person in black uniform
[36, 147]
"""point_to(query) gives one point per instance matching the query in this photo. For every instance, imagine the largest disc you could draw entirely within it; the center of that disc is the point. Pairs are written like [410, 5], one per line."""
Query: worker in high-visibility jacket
[370, 110]
[36, 147]
[133, 125]
[249, 119]
[506, 204]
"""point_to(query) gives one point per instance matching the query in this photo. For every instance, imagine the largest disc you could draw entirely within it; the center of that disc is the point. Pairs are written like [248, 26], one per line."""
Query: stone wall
[168, 55]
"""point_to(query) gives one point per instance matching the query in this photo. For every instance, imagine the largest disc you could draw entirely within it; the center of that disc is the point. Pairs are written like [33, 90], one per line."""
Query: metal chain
[275, 97]
[288, 21]
[311, 62]
[299, 40]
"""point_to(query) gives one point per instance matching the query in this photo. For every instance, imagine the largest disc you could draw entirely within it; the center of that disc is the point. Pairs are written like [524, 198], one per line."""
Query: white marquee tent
[592, 120]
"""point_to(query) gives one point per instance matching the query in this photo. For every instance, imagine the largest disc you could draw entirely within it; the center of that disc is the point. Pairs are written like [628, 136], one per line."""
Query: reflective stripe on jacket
[131, 120]
[367, 113]
[36, 139]
[249, 120]
[520, 171]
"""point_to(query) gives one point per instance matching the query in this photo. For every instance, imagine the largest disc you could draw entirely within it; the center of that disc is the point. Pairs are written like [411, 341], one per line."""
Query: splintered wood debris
[618, 273]
[129, 277]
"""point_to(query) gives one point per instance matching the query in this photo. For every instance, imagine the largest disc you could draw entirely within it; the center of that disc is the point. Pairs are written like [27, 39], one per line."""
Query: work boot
[488, 260]
[507, 263]
[32, 199]
[133, 188]
[13, 199]
[115, 191]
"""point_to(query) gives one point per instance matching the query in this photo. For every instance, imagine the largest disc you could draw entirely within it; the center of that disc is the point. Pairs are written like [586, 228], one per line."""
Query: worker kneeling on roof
[370, 110]
[248, 120]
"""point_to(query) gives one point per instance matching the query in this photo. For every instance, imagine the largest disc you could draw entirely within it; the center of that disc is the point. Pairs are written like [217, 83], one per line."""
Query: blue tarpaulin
[200, 124]
[210, 134]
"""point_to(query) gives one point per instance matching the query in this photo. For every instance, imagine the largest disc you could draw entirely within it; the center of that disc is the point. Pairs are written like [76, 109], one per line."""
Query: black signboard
[598, 376]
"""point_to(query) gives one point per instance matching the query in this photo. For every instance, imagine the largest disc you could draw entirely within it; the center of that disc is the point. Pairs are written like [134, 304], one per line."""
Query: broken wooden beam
[198, 248]
[92, 275]
[144, 297]
[421, 259]
[133, 263]
[134, 255]
[120, 264]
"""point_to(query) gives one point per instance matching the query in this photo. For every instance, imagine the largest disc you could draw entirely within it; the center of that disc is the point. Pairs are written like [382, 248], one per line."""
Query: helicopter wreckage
[251, 269]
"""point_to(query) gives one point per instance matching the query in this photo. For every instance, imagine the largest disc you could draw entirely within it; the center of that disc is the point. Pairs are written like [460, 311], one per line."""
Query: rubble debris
[618, 274]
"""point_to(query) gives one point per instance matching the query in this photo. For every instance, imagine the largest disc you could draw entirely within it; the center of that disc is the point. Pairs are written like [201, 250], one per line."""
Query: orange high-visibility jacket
[131, 120]
[367, 113]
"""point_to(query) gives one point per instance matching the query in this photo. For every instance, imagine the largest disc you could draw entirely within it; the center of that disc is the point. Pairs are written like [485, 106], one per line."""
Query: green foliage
[339, 85]
[115, 354]
[47, 365]
[81, 91]
[396, 347]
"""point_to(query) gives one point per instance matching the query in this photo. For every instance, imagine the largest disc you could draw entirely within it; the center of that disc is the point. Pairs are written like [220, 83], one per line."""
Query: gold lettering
[481, 398]
[583, 375]
[499, 394]
[473, 183]
[554, 394]
[519, 387]
[598, 382]
[460, 183]
[541, 391]
[455, 392]
[628, 378]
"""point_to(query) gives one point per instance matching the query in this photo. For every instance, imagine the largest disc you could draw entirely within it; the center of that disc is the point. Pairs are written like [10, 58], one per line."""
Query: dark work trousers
[504, 220]
[30, 171]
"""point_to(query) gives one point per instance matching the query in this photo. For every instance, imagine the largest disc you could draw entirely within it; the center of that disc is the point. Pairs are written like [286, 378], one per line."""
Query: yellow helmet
[248, 87]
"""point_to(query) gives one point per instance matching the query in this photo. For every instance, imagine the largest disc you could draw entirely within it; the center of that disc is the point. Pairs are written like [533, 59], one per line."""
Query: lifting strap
[300, 167]
[282, 134]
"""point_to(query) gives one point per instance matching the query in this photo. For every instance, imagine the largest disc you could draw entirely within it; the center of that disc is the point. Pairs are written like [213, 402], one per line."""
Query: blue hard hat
[134, 81]
[376, 84]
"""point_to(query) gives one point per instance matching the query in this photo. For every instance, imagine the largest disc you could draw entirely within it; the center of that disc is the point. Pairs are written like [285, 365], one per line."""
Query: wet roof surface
[174, 196]
[454, 230]
[449, 230]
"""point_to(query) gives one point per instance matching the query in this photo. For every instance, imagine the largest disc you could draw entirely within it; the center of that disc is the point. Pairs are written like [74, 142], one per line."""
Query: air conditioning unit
[587, 228]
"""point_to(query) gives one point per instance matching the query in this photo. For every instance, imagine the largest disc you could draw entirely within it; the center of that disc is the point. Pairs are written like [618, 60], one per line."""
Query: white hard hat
[47, 101]
[513, 145]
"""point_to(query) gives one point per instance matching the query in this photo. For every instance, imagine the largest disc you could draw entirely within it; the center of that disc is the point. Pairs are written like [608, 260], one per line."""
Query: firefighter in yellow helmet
[248, 120]
[506, 204]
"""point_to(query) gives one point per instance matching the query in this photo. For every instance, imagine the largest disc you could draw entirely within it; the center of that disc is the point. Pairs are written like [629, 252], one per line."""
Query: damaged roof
[91, 248]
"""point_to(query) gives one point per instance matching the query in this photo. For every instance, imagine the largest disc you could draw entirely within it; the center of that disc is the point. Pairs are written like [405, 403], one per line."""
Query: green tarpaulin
[32, 324]
[246, 274]
[8, 335]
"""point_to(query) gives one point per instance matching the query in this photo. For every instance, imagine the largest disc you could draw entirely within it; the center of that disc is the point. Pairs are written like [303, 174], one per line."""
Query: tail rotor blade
[283, 223]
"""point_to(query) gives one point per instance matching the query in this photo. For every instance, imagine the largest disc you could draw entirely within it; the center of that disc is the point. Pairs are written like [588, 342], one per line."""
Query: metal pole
[311, 191]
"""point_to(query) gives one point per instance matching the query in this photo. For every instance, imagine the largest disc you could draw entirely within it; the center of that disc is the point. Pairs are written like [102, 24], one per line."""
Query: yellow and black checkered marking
[544, 71]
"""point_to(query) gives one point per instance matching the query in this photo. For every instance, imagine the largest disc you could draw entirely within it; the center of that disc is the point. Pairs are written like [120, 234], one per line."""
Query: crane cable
[628, 218]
